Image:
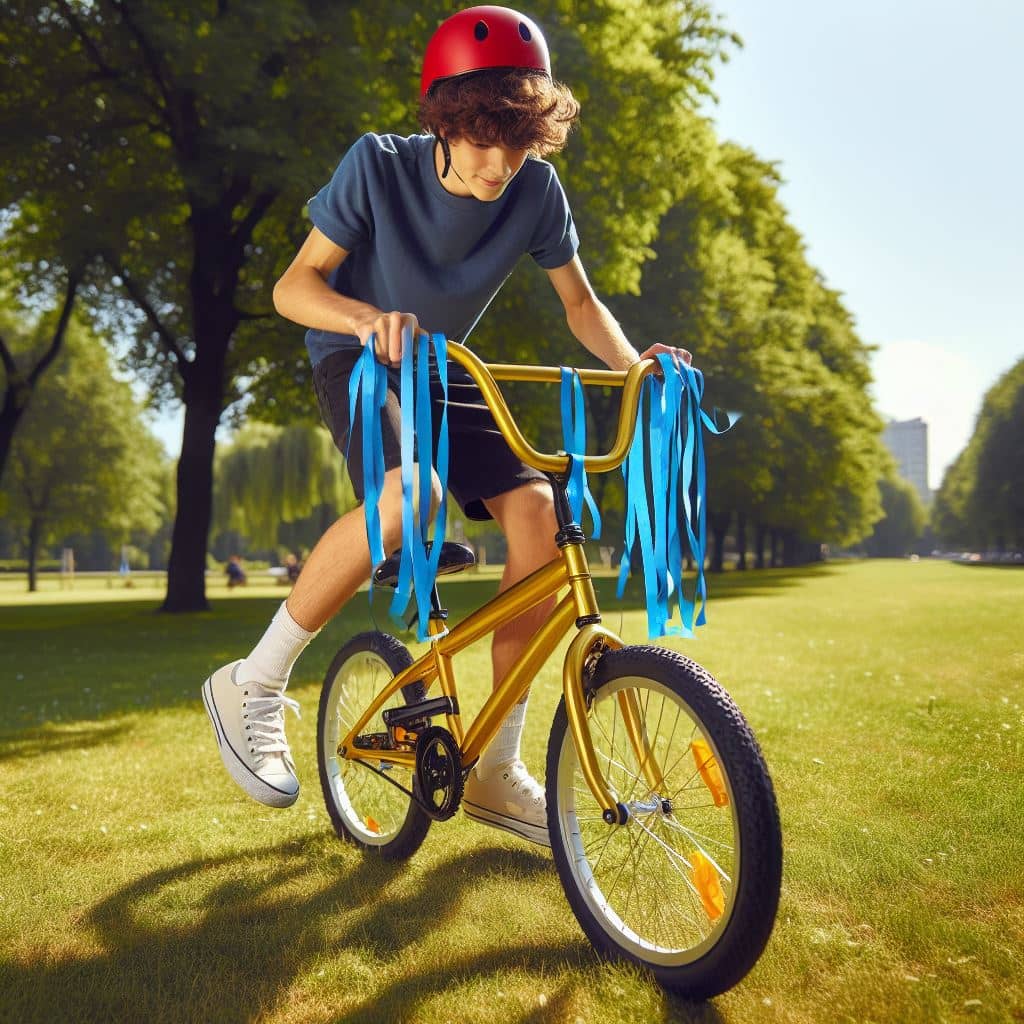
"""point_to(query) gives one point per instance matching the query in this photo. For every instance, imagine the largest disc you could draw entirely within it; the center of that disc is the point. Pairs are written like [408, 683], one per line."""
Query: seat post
[438, 613]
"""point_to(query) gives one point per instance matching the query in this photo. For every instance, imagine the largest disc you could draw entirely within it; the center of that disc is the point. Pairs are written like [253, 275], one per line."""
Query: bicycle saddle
[454, 558]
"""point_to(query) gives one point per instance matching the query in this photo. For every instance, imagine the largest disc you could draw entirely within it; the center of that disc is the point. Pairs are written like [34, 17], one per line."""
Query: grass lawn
[137, 883]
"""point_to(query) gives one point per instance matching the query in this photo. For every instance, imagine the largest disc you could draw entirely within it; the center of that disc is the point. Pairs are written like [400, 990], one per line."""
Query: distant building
[908, 442]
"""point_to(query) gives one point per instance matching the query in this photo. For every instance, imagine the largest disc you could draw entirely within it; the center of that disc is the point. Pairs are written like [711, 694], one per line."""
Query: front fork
[573, 673]
[591, 639]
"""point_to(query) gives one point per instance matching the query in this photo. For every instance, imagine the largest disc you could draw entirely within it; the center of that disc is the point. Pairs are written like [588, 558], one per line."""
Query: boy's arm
[303, 295]
[592, 323]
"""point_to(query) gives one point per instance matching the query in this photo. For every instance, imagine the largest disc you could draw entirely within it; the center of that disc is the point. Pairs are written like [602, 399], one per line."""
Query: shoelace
[266, 726]
[521, 780]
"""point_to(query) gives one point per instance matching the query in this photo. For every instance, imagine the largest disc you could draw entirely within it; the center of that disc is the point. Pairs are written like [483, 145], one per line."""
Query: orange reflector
[705, 879]
[372, 825]
[710, 772]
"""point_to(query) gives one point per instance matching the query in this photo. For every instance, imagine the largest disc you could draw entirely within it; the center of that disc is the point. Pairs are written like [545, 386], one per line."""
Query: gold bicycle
[661, 813]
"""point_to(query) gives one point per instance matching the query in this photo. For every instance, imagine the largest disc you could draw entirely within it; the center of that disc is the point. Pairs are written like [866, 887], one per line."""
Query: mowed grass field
[138, 884]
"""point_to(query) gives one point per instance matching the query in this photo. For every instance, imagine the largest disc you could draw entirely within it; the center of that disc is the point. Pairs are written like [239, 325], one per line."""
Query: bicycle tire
[364, 808]
[665, 933]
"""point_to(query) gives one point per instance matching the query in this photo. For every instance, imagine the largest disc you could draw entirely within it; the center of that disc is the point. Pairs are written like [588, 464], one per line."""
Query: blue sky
[897, 129]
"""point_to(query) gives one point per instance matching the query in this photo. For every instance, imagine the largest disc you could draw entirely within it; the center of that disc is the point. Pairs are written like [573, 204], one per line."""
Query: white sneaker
[248, 721]
[510, 798]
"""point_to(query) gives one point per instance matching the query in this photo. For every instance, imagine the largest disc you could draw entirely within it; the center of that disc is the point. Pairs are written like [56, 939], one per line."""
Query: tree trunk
[759, 539]
[217, 257]
[186, 568]
[13, 409]
[741, 538]
[719, 528]
[789, 548]
[774, 541]
[20, 386]
[35, 531]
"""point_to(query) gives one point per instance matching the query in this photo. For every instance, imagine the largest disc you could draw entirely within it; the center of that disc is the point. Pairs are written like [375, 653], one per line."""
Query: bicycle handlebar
[486, 376]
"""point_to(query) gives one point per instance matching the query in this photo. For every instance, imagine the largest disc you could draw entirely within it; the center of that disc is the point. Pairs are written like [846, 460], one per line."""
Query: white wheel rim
[657, 915]
[362, 798]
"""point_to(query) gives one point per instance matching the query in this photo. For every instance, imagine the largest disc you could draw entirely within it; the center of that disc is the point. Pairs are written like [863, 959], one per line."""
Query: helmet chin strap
[446, 151]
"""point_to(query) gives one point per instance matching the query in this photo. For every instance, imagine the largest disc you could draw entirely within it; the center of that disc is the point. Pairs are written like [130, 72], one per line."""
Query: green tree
[902, 523]
[998, 496]
[981, 500]
[731, 281]
[170, 134]
[950, 513]
[82, 459]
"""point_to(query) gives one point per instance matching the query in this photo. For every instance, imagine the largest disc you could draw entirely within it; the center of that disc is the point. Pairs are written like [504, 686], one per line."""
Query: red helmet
[479, 38]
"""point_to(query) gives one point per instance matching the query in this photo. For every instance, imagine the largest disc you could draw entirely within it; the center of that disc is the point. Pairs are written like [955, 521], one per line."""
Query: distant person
[292, 567]
[235, 573]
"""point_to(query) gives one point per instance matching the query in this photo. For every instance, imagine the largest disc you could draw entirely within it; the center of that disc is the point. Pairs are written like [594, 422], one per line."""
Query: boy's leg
[500, 791]
[255, 752]
[527, 518]
[245, 699]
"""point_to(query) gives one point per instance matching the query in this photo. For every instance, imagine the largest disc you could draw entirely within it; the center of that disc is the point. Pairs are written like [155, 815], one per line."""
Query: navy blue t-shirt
[416, 248]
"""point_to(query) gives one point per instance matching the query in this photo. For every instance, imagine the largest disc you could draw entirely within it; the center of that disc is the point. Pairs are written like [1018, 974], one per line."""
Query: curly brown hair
[511, 106]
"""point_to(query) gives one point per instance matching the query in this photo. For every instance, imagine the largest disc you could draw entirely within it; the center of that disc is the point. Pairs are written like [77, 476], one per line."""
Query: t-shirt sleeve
[341, 209]
[554, 241]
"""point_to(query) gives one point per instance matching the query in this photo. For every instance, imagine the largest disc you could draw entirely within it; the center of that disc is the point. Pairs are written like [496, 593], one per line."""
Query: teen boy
[419, 233]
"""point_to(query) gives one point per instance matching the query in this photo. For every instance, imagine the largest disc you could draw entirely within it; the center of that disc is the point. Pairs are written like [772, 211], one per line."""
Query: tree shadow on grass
[225, 939]
[53, 739]
[106, 659]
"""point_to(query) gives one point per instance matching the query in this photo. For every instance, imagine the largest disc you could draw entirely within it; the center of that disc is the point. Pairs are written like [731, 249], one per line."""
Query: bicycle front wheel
[366, 807]
[689, 886]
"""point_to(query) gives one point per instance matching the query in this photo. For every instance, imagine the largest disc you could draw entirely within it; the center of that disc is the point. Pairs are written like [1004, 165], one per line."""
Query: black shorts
[481, 465]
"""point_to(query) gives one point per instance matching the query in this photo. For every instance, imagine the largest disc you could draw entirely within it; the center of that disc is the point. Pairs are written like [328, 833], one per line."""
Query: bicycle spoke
[673, 857]
[671, 822]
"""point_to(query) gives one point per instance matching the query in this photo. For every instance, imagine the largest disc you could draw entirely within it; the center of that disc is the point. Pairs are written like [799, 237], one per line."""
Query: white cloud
[942, 386]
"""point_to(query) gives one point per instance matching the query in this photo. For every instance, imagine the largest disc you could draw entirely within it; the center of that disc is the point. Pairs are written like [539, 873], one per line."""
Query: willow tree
[272, 475]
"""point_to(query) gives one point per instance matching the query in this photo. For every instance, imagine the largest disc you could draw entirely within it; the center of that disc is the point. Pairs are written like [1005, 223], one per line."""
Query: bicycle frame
[577, 608]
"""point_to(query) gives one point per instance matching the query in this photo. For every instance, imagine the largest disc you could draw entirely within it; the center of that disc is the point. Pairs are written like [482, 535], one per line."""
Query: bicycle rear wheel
[689, 886]
[364, 807]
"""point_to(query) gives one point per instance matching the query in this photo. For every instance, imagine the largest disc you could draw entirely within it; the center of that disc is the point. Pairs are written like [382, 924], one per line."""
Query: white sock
[505, 745]
[271, 660]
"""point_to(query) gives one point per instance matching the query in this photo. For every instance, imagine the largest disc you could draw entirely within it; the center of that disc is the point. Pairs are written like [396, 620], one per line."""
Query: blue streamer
[674, 459]
[417, 570]
[574, 441]
[369, 385]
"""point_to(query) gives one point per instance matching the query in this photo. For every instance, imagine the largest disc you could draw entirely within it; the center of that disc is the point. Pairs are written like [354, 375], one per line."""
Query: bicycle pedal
[423, 710]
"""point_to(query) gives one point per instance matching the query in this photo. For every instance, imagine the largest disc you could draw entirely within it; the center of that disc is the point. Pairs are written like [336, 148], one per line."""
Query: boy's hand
[679, 355]
[386, 329]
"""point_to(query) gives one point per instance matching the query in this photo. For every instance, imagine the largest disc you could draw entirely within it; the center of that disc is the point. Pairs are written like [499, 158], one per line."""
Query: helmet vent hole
[481, 31]
[524, 32]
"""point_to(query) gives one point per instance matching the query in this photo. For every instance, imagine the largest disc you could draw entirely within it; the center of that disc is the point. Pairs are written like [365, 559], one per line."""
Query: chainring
[438, 779]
